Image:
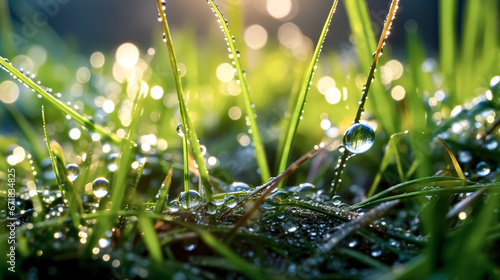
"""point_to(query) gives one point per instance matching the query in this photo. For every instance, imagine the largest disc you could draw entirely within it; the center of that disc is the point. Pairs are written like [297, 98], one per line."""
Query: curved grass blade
[187, 125]
[383, 37]
[454, 160]
[305, 86]
[83, 121]
[260, 152]
[151, 240]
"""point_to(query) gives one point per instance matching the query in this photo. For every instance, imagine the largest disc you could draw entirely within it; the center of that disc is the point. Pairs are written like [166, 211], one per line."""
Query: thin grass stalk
[185, 158]
[447, 41]
[6, 29]
[83, 121]
[187, 125]
[301, 101]
[361, 108]
[260, 152]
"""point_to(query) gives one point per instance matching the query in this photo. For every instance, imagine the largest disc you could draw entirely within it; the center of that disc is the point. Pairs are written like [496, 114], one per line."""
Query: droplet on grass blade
[100, 187]
[359, 138]
[180, 131]
[72, 172]
[194, 199]
[482, 169]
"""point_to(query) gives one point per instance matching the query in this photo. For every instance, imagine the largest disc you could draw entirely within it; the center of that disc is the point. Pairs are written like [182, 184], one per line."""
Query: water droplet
[278, 197]
[72, 171]
[100, 187]
[190, 244]
[194, 199]
[352, 243]
[211, 208]
[336, 200]
[359, 138]
[464, 156]
[238, 187]
[174, 206]
[482, 169]
[231, 201]
[111, 162]
[180, 131]
[306, 187]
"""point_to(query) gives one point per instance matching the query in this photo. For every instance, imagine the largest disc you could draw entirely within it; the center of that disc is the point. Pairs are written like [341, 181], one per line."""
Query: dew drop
[336, 200]
[174, 206]
[359, 138]
[238, 187]
[231, 201]
[100, 187]
[180, 131]
[72, 171]
[482, 169]
[194, 199]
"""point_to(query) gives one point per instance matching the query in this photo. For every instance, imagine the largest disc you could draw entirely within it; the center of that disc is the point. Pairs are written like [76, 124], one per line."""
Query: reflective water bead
[359, 138]
[482, 169]
[238, 187]
[72, 171]
[100, 187]
[231, 201]
[174, 206]
[180, 131]
[194, 199]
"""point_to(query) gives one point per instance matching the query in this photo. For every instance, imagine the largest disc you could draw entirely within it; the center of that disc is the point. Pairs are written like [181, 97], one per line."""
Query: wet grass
[423, 202]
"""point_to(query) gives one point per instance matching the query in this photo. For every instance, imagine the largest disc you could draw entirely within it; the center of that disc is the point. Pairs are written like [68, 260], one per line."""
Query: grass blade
[305, 86]
[185, 119]
[456, 165]
[447, 41]
[83, 121]
[260, 152]
[165, 188]
[383, 37]
[151, 240]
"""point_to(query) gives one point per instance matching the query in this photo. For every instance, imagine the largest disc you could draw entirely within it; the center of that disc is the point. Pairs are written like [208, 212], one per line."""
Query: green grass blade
[6, 29]
[305, 86]
[51, 154]
[260, 152]
[365, 44]
[447, 41]
[119, 182]
[185, 118]
[391, 152]
[151, 240]
[164, 189]
[83, 121]
[185, 159]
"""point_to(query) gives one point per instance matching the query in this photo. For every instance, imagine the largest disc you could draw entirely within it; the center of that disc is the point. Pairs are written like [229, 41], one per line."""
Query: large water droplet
[238, 187]
[180, 131]
[194, 199]
[359, 138]
[231, 201]
[100, 187]
[174, 206]
[72, 171]
[482, 169]
[336, 200]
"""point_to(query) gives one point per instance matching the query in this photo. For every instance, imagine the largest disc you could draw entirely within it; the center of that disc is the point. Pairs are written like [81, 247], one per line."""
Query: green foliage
[413, 212]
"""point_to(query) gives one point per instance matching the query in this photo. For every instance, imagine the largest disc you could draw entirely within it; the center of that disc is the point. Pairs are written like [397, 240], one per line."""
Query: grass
[409, 208]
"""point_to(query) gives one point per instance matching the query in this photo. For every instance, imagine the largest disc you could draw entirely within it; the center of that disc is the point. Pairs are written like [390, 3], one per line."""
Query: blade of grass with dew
[360, 23]
[184, 113]
[119, 182]
[391, 15]
[164, 190]
[304, 89]
[33, 191]
[495, 188]
[260, 152]
[426, 181]
[81, 120]
[185, 160]
[447, 42]
[151, 240]
[73, 199]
